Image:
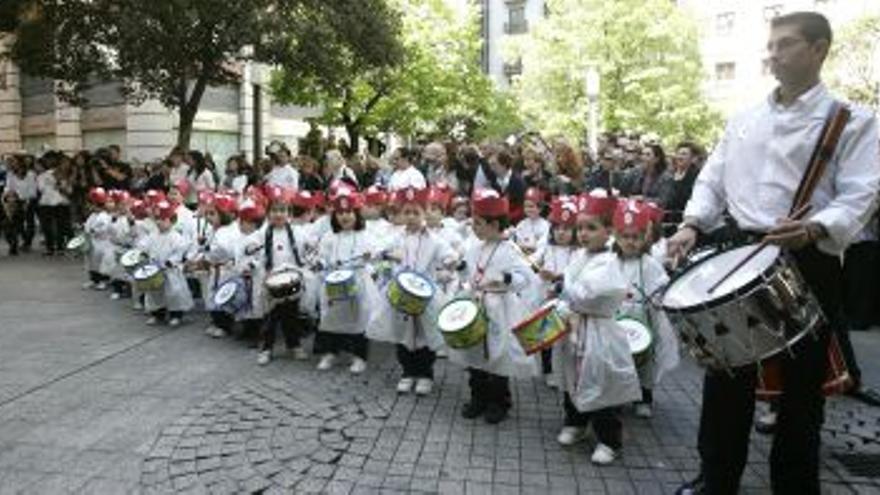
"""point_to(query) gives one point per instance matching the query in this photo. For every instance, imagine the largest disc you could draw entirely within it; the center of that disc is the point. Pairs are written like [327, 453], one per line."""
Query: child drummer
[418, 250]
[502, 281]
[285, 246]
[594, 362]
[644, 275]
[97, 228]
[167, 249]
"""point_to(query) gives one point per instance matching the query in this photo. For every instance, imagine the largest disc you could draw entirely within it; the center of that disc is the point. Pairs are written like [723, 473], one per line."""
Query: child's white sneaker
[405, 385]
[152, 321]
[174, 323]
[644, 410]
[88, 285]
[570, 435]
[101, 286]
[299, 354]
[115, 296]
[264, 357]
[358, 366]
[327, 361]
[424, 386]
[603, 455]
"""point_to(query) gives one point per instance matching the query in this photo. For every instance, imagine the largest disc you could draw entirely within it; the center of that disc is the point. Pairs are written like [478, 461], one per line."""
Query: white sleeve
[708, 198]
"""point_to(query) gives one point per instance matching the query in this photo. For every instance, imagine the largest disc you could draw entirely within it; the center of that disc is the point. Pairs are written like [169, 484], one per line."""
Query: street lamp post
[592, 88]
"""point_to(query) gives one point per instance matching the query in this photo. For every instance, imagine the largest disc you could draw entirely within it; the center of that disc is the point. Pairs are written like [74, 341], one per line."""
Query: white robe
[501, 354]
[347, 250]
[283, 258]
[98, 228]
[221, 256]
[118, 235]
[425, 253]
[644, 276]
[552, 258]
[529, 233]
[594, 362]
[162, 248]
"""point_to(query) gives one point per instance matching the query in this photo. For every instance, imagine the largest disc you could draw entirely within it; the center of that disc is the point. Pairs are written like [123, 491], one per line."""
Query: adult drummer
[752, 175]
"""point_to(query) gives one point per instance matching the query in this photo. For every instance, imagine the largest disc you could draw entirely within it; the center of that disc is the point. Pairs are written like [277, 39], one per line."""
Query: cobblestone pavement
[94, 401]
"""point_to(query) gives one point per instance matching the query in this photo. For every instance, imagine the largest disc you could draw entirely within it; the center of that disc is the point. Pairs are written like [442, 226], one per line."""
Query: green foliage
[436, 86]
[172, 50]
[854, 65]
[646, 52]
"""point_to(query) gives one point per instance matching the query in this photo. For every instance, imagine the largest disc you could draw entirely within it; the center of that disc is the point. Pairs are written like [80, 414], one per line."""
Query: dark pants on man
[418, 363]
[606, 422]
[55, 222]
[293, 324]
[20, 231]
[860, 270]
[729, 401]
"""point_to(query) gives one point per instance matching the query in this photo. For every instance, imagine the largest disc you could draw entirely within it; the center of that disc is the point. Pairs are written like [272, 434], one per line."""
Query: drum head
[77, 242]
[131, 257]
[415, 284]
[145, 272]
[457, 315]
[339, 276]
[283, 279]
[691, 288]
[225, 293]
[637, 334]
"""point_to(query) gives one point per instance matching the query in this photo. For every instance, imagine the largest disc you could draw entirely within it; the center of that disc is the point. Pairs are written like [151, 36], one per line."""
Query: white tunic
[221, 256]
[283, 258]
[283, 176]
[425, 253]
[408, 177]
[594, 362]
[531, 232]
[348, 250]
[97, 227]
[120, 241]
[554, 259]
[502, 353]
[164, 248]
[644, 276]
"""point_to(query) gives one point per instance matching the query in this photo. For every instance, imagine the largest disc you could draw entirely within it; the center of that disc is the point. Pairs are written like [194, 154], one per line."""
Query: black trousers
[606, 422]
[547, 361]
[334, 343]
[292, 323]
[163, 313]
[56, 226]
[861, 266]
[489, 389]
[729, 402]
[20, 227]
[418, 363]
[97, 277]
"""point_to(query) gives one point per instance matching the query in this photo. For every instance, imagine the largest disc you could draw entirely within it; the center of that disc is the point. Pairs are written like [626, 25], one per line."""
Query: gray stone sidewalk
[94, 401]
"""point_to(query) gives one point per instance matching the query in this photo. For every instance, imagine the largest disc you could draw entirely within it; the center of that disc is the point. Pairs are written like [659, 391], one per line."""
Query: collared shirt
[408, 177]
[757, 166]
[283, 176]
[47, 184]
[24, 187]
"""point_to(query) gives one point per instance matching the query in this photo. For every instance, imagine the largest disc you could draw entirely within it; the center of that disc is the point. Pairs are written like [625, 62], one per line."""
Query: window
[516, 19]
[725, 71]
[772, 11]
[724, 23]
[765, 68]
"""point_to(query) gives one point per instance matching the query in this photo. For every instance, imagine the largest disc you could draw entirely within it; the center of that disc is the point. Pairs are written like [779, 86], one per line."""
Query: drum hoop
[541, 313]
[549, 343]
[420, 276]
[346, 279]
[722, 300]
[480, 310]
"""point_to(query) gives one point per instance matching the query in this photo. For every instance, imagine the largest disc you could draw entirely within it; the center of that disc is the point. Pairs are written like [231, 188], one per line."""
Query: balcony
[520, 27]
[513, 68]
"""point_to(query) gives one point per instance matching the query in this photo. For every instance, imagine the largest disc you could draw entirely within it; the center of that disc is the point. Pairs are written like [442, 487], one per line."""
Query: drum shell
[837, 379]
[405, 301]
[291, 290]
[541, 330]
[470, 335]
[153, 283]
[238, 302]
[769, 314]
[341, 291]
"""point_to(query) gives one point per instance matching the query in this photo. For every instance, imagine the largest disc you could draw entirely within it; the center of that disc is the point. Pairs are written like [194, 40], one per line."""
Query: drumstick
[764, 243]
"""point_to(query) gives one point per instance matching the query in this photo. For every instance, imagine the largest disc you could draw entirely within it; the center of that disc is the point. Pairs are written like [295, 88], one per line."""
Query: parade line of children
[375, 265]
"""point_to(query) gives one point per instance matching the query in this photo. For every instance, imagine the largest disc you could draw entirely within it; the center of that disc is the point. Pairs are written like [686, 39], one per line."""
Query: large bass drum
[762, 309]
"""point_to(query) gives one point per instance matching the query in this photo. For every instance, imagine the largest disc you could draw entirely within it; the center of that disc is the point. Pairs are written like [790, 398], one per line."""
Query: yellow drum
[149, 278]
[410, 293]
[463, 323]
[340, 285]
[541, 330]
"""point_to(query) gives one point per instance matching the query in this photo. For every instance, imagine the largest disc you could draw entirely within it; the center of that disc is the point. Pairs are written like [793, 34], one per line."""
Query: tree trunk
[354, 137]
[188, 113]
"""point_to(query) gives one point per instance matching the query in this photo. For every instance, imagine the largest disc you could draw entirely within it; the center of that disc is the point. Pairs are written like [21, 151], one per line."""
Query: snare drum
[340, 285]
[284, 284]
[410, 293]
[837, 377]
[149, 278]
[463, 323]
[541, 330]
[132, 259]
[765, 307]
[80, 243]
[231, 296]
[641, 343]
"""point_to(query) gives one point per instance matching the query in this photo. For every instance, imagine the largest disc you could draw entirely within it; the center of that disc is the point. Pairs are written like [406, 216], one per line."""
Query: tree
[854, 65]
[646, 53]
[437, 83]
[174, 50]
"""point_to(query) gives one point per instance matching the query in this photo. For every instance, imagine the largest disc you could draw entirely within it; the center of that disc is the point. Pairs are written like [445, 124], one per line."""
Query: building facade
[733, 39]
[231, 119]
[501, 19]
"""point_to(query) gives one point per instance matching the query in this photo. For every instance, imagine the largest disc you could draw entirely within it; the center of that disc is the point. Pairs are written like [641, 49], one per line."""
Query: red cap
[256, 195]
[98, 195]
[534, 195]
[154, 196]
[563, 210]
[597, 203]
[336, 188]
[411, 195]
[347, 199]
[375, 196]
[304, 199]
[119, 196]
[206, 197]
[440, 195]
[319, 199]
[656, 212]
[631, 215]
[251, 211]
[488, 203]
[183, 186]
[165, 210]
[225, 203]
[275, 194]
[140, 209]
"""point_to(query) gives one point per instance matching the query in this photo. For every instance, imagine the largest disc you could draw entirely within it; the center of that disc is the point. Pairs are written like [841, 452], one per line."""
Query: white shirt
[757, 167]
[205, 181]
[283, 176]
[25, 188]
[178, 172]
[408, 177]
[48, 187]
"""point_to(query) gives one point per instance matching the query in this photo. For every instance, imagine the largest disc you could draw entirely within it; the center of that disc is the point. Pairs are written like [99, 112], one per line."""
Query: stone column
[246, 113]
[68, 128]
[10, 104]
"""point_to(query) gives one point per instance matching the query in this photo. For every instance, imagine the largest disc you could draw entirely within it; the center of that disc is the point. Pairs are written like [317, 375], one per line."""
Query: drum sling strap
[269, 245]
